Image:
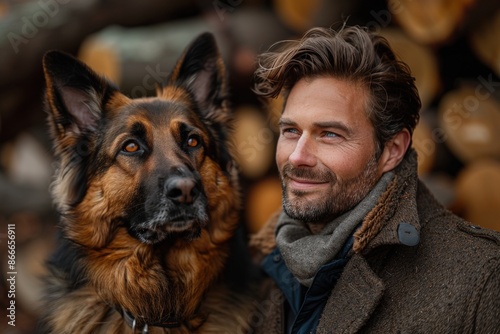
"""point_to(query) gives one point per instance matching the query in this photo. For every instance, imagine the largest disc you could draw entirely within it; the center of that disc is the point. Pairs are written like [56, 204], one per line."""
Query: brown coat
[448, 283]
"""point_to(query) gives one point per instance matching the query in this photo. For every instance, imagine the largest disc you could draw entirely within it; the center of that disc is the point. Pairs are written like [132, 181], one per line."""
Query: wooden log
[478, 193]
[274, 109]
[263, 200]
[297, 15]
[469, 121]
[420, 59]
[425, 145]
[31, 259]
[4, 9]
[25, 177]
[485, 42]
[442, 187]
[27, 162]
[139, 59]
[102, 58]
[254, 142]
[301, 15]
[430, 22]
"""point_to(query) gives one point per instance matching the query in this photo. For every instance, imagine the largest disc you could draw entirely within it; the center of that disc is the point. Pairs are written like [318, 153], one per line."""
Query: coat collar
[394, 220]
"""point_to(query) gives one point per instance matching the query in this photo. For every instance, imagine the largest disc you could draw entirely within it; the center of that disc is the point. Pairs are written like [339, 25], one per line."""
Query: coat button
[408, 234]
[277, 258]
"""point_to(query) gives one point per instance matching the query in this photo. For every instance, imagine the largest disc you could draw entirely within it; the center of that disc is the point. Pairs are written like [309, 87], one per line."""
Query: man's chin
[305, 200]
[308, 217]
[306, 212]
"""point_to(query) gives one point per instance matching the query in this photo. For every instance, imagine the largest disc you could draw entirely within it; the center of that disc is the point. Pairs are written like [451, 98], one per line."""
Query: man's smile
[305, 184]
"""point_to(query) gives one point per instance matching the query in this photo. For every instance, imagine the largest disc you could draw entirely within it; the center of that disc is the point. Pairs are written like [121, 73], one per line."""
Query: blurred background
[452, 47]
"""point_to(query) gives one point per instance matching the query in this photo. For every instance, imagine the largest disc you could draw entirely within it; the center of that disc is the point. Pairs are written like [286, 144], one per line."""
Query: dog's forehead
[157, 111]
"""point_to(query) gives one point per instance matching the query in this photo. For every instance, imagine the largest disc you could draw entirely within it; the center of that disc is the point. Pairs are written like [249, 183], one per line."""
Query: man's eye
[331, 134]
[289, 131]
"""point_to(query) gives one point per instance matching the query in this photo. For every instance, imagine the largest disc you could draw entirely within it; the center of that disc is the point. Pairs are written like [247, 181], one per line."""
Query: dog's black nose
[181, 190]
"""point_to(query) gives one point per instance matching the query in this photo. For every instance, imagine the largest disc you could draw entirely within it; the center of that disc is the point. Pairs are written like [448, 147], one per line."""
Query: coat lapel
[353, 300]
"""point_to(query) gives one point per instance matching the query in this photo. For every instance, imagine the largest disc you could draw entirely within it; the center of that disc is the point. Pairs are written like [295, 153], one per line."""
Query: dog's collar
[132, 322]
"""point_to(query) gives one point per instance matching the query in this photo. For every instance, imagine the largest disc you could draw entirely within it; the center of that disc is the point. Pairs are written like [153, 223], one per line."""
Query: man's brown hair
[352, 54]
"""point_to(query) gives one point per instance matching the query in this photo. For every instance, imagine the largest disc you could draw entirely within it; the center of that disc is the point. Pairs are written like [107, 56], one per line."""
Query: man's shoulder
[453, 240]
[484, 236]
[445, 228]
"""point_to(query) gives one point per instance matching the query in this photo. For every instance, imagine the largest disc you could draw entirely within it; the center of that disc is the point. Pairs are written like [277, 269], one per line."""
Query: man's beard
[339, 198]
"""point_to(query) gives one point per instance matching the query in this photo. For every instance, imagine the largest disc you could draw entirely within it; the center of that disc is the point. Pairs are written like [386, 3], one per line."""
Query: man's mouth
[303, 184]
[306, 179]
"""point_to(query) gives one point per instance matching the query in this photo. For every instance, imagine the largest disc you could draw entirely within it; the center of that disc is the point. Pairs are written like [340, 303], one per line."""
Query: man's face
[326, 149]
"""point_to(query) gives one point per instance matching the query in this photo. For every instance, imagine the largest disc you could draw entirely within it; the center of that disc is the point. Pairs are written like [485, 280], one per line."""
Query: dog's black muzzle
[177, 207]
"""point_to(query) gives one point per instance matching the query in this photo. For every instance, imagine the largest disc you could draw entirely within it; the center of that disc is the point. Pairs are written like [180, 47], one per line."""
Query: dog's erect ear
[76, 97]
[201, 70]
[75, 94]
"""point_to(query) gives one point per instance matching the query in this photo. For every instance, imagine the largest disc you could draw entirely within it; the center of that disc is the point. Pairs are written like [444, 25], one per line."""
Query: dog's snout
[181, 190]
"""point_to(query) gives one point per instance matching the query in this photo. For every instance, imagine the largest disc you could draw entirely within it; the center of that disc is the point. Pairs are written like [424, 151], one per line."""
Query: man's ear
[394, 151]
[201, 71]
[75, 94]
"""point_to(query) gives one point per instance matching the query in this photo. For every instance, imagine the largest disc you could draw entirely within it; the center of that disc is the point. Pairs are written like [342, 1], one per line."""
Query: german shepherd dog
[149, 202]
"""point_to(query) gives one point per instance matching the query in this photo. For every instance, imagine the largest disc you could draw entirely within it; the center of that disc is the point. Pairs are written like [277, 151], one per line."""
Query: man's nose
[303, 153]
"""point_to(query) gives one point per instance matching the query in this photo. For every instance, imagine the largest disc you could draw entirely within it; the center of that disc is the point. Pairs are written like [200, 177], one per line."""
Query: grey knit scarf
[304, 253]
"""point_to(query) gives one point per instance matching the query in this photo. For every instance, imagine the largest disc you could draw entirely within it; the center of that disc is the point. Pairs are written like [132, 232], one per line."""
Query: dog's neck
[136, 325]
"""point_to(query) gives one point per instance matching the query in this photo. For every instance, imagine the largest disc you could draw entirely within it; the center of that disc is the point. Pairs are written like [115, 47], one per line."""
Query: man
[361, 245]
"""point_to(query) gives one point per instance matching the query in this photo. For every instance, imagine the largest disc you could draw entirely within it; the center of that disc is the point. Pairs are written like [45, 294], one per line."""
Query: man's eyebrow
[320, 125]
[286, 122]
[333, 125]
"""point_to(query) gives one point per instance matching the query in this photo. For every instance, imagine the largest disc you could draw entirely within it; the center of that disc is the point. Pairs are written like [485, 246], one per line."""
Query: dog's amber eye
[131, 147]
[193, 141]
